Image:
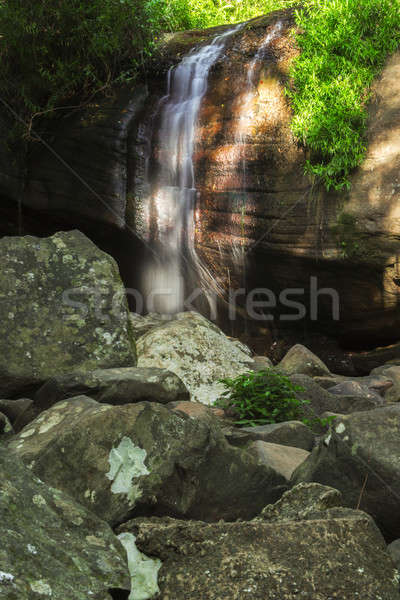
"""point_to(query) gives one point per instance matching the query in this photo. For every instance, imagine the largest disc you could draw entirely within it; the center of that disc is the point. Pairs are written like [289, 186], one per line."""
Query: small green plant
[261, 397]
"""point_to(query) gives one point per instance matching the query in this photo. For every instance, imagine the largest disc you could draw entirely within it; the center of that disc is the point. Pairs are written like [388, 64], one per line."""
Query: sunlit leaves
[344, 44]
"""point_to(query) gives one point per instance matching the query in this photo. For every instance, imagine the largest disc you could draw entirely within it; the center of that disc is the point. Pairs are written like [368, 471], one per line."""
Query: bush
[57, 53]
[261, 397]
[55, 50]
[344, 44]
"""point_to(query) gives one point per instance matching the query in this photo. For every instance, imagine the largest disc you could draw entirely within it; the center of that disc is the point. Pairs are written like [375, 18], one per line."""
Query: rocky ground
[120, 479]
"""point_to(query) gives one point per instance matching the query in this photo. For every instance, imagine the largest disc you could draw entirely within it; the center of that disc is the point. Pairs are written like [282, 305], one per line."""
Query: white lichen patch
[142, 569]
[95, 541]
[39, 500]
[90, 495]
[340, 428]
[195, 350]
[27, 433]
[127, 463]
[6, 577]
[51, 422]
[41, 587]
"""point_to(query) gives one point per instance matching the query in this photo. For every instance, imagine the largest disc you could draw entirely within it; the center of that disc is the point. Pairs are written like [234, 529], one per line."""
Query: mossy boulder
[62, 308]
[50, 545]
[143, 457]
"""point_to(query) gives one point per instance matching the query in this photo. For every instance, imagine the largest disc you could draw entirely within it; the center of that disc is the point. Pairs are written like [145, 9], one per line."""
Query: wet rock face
[62, 308]
[348, 241]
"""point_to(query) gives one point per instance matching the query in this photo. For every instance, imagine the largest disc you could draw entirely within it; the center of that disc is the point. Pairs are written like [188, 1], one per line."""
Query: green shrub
[58, 53]
[55, 50]
[261, 397]
[344, 44]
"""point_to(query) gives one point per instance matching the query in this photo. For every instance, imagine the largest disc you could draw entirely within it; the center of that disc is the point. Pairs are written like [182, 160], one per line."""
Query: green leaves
[258, 398]
[344, 44]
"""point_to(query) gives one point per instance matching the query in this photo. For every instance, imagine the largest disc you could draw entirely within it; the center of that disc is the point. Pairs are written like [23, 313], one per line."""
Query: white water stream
[173, 191]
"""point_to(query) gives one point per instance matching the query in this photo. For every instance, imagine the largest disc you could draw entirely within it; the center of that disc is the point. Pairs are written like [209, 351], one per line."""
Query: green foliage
[54, 50]
[344, 44]
[261, 397]
[57, 53]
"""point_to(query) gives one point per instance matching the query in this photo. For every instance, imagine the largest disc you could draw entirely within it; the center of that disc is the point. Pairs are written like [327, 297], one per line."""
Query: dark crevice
[118, 594]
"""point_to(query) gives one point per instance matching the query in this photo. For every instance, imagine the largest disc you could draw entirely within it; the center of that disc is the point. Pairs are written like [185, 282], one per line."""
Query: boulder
[394, 551]
[321, 400]
[261, 363]
[301, 361]
[287, 433]
[361, 457]
[114, 386]
[355, 388]
[143, 324]
[50, 545]
[197, 351]
[196, 410]
[392, 373]
[6, 429]
[144, 457]
[63, 307]
[343, 557]
[283, 459]
[303, 502]
[14, 409]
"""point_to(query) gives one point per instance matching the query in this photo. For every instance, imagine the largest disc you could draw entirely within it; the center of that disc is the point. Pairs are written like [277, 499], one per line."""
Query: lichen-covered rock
[343, 558]
[50, 545]
[142, 324]
[62, 308]
[287, 433]
[114, 459]
[197, 351]
[394, 551]
[303, 502]
[301, 361]
[114, 386]
[361, 457]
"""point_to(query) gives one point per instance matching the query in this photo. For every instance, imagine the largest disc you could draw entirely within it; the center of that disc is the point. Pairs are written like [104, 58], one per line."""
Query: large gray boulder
[329, 557]
[50, 545]
[300, 360]
[62, 308]
[197, 351]
[114, 386]
[361, 458]
[113, 459]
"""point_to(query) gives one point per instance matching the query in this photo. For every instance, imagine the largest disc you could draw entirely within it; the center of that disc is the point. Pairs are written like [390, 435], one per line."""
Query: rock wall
[271, 227]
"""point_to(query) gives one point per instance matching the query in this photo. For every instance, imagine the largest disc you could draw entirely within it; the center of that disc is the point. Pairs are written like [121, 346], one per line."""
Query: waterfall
[172, 197]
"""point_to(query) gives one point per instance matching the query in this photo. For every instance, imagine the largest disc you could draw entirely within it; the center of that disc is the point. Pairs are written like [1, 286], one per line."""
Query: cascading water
[172, 197]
